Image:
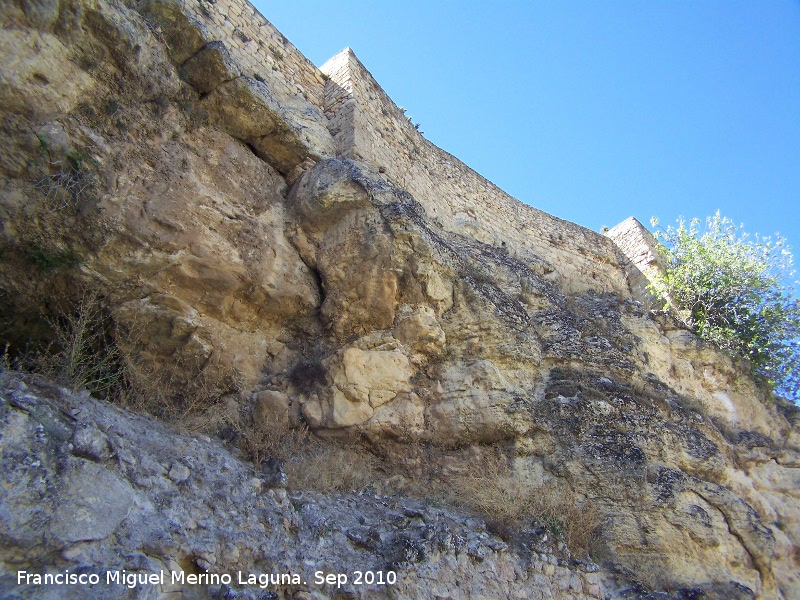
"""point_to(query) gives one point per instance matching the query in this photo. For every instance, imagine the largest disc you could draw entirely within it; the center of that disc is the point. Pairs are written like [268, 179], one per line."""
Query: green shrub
[53, 261]
[736, 292]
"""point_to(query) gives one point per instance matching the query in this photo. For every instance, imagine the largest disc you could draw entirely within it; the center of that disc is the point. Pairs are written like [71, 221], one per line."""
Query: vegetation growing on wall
[736, 291]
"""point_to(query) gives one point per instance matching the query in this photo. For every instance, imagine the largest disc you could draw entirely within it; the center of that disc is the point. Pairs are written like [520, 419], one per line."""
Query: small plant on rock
[82, 354]
[52, 261]
[67, 181]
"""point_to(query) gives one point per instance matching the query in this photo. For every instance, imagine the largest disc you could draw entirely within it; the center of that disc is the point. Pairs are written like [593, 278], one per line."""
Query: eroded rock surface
[161, 500]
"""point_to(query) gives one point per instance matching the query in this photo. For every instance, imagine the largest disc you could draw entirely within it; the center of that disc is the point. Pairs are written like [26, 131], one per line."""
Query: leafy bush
[735, 291]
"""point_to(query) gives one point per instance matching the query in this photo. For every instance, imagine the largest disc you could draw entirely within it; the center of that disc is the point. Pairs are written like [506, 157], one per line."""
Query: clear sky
[592, 111]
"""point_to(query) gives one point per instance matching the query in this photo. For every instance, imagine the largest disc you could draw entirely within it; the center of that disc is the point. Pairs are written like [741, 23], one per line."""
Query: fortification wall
[340, 104]
[350, 115]
[644, 259]
[260, 49]
[367, 125]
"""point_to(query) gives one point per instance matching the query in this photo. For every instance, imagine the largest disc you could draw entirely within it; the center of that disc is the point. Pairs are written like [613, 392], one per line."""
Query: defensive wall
[259, 48]
[367, 125]
[644, 259]
[341, 110]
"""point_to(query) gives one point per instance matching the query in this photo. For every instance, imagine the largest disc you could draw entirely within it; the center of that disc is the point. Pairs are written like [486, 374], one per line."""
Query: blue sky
[593, 111]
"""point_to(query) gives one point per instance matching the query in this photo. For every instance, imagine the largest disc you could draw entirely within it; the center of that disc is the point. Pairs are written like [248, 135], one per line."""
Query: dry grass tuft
[309, 462]
[196, 403]
[278, 441]
[328, 467]
[83, 354]
[508, 503]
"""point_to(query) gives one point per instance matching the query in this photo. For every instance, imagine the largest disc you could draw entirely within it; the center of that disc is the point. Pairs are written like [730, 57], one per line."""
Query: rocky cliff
[258, 249]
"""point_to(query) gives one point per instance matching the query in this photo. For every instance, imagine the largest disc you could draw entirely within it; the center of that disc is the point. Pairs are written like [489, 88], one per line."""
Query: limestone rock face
[254, 250]
[215, 269]
[35, 73]
[343, 228]
[476, 404]
[210, 67]
[36, 14]
[169, 501]
[420, 330]
[282, 135]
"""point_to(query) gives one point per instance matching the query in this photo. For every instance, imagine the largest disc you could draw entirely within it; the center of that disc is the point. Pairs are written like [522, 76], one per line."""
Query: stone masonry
[367, 126]
[641, 248]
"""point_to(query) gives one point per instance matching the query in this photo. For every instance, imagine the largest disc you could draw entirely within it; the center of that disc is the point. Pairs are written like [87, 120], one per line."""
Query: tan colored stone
[185, 34]
[379, 397]
[327, 192]
[700, 371]
[314, 413]
[454, 196]
[210, 67]
[37, 72]
[281, 134]
[420, 330]
[439, 290]
[37, 14]
[403, 419]
[376, 370]
[345, 412]
[245, 109]
[271, 410]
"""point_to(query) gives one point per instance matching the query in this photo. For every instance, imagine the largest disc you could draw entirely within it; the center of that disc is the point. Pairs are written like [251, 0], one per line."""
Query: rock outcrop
[95, 490]
[275, 247]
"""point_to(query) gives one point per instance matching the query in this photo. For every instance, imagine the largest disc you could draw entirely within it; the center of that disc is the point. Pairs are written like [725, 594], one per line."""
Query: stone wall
[644, 259]
[340, 103]
[368, 126]
[260, 49]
